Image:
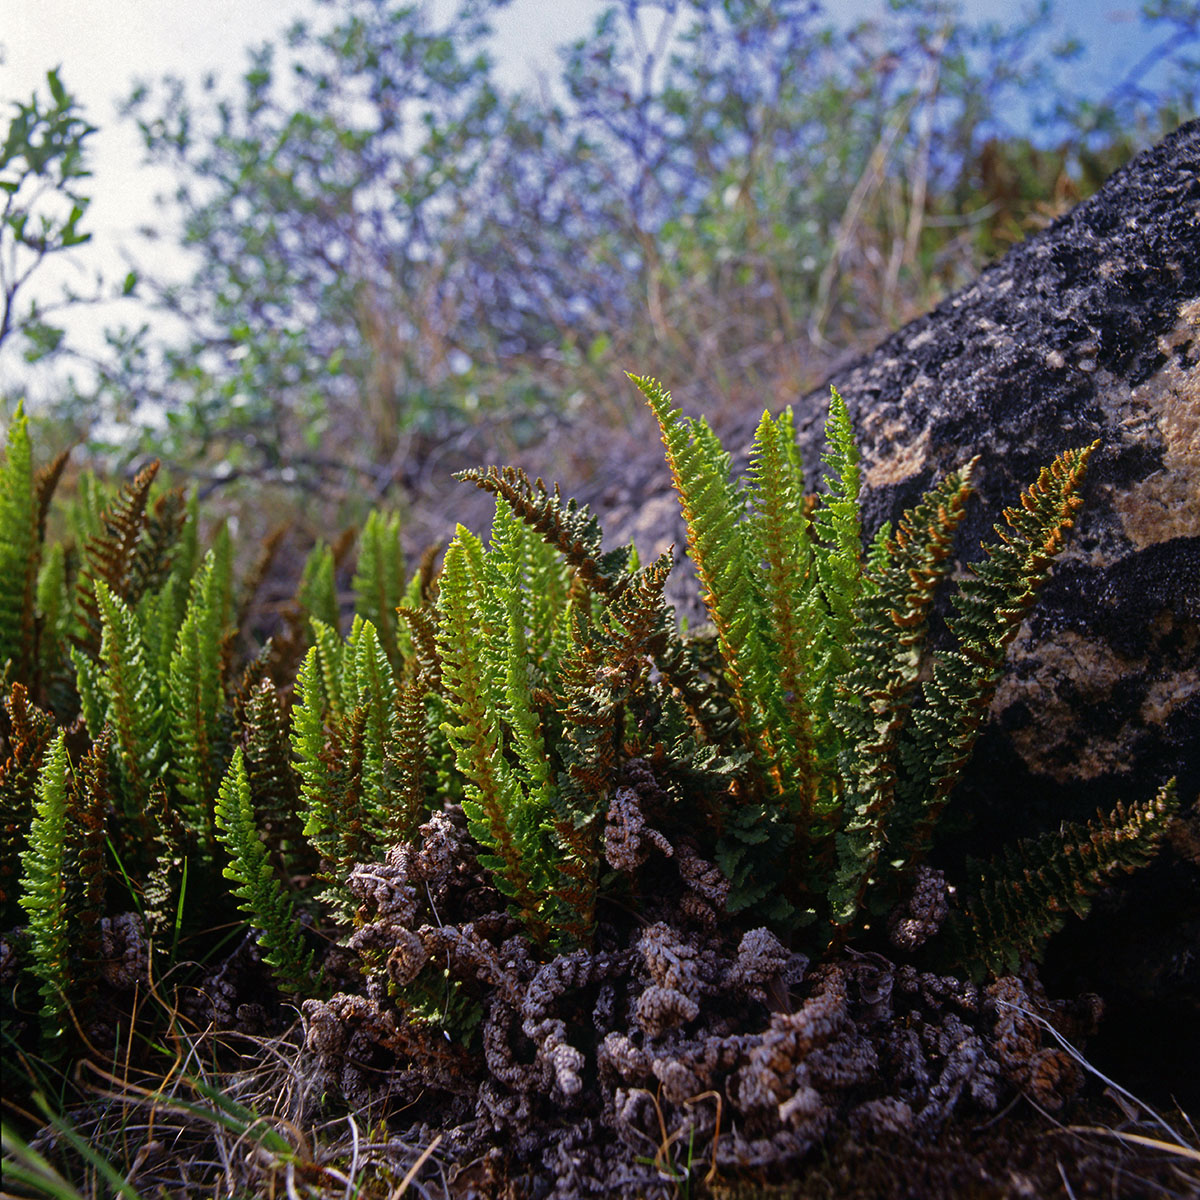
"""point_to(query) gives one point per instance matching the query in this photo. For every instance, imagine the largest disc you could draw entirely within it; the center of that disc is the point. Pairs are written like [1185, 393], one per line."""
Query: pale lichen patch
[1166, 504]
[906, 460]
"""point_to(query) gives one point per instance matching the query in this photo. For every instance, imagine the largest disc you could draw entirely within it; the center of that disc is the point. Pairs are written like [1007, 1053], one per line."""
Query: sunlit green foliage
[808, 751]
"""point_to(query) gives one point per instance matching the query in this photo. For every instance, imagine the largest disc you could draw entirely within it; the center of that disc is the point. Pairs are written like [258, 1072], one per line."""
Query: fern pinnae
[990, 607]
[263, 898]
[423, 663]
[44, 888]
[408, 764]
[875, 693]
[379, 578]
[133, 703]
[54, 611]
[838, 562]
[1022, 896]
[783, 541]
[375, 689]
[274, 782]
[152, 554]
[569, 527]
[45, 484]
[717, 543]
[493, 803]
[308, 744]
[19, 548]
[108, 555]
[329, 667]
[515, 590]
[30, 733]
[196, 696]
[317, 593]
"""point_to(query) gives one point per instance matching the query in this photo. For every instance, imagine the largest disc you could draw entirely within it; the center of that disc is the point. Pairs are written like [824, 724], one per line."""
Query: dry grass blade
[413, 1171]
[1153, 1143]
[1178, 1139]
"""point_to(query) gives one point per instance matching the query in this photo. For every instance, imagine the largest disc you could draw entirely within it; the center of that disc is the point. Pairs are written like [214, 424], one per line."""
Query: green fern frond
[990, 608]
[318, 587]
[54, 612]
[876, 690]
[89, 685]
[379, 579]
[330, 662]
[1019, 898]
[787, 581]
[160, 616]
[274, 783]
[515, 584]
[375, 692]
[262, 896]
[44, 889]
[85, 510]
[725, 559]
[19, 550]
[132, 702]
[498, 810]
[196, 696]
[839, 571]
[341, 753]
[308, 744]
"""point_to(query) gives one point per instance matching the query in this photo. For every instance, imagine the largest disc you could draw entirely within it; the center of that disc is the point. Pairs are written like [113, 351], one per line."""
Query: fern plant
[260, 891]
[44, 887]
[808, 746]
[18, 547]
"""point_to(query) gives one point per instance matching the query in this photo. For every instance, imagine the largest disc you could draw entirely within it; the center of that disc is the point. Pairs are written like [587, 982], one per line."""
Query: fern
[318, 588]
[808, 745]
[263, 898]
[1023, 895]
[989, 610]
[571, 528]
[500, 811]
[723, 556]
[109, 556]
[54, 614]
[839, 569]
[781, 534]
[133, 704]
[605, 675]
[30, 733]
[273, 782]
[347, 734]
[821, 646]
[379, 579]
[19, 550]
[877, 686]
[196, 696]
[44, 889]
[88, 886]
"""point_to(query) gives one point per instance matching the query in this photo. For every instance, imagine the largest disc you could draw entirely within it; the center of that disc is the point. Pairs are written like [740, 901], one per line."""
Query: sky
[103, 47]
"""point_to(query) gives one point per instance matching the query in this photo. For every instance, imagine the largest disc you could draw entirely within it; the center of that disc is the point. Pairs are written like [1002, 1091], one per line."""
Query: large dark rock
[1089, 330]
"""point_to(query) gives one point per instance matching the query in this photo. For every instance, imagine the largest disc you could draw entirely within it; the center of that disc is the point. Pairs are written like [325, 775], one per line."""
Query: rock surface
[1088, 330]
